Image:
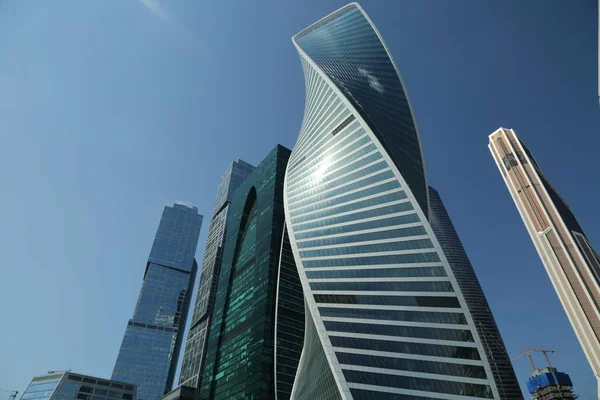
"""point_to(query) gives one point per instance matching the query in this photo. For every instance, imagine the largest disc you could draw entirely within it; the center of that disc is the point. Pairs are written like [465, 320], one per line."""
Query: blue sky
[110, 110]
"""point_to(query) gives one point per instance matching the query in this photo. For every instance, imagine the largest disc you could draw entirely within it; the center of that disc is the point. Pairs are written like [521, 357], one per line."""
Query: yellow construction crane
[527, 352]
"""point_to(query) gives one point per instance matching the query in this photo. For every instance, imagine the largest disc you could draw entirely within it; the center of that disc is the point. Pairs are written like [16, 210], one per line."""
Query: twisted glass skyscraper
[150, 347]
[386, 318]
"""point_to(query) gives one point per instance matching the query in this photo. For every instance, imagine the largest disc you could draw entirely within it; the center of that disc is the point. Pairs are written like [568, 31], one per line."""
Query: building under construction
[547, 383]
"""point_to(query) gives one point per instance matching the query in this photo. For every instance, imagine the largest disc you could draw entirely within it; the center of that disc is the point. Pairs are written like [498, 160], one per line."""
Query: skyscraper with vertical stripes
[572, 264]
[385, 315]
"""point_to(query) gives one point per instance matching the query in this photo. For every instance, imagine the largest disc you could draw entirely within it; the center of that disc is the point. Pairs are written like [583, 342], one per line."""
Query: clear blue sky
[110, 110]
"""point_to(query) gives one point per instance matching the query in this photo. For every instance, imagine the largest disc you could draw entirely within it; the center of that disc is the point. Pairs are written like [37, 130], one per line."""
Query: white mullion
[323, 180]
[316, 160]
[369, 186]
[413, 324]
[323, 142]
[381, 266]
[381, 279]
[370, 230]
[297, 225]
[398, 214]
[407, 339]
[365, 243]
[410, 392]
[371, 196]
[343, 184]
[325, 109]
[415, 374]
[384, 293]
[392, 308]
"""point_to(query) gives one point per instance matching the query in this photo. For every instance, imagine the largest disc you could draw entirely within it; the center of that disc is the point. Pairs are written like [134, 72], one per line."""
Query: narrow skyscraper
[502, 369]
[570, 260]
[195, 348]
[240, 354]
[150, 348]
[385, 315]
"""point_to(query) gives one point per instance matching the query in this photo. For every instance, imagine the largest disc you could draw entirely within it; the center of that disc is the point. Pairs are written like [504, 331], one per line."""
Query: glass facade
[502, 370]
[240, 355]
[385, 315]
[572, 264]
[70, 386]
[150, 348]
[193, 359]
[289, 330]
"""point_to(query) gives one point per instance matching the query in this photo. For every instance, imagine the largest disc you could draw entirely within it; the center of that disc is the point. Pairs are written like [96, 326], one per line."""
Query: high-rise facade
[502, 370]
[385, 315]
[150, 348]
[195, 348]
[570, 260]
[67, 385]
[240, 355]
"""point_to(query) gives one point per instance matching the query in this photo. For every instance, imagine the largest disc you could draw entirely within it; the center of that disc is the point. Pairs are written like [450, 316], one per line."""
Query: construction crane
[13, 393]
[527, 352]
[547, 383]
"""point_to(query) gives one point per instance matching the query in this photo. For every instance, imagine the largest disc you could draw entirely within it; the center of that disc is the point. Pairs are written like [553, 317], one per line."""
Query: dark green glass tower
[240, 358]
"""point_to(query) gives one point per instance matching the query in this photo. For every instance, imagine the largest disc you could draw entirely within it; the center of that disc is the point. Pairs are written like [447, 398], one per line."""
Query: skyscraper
[195, 348]
[386, 318]
[67, 385]
[502, 370]
[570, 260]
[150, 347]
[240, 355]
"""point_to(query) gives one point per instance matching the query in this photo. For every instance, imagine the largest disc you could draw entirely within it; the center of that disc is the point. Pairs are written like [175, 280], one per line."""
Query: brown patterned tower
[570, 260]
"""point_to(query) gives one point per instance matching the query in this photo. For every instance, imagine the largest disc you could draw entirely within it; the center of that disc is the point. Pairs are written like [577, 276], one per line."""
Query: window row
[424, 349]
[360, 226]
[378, 273]
[461, 335]
[422, 384]
[417, 301]
[359, 215]
[315, 206]
[428, 367]
[364, 237]
[386, 198]
[369, 248]
[395, 315]
[374, 260]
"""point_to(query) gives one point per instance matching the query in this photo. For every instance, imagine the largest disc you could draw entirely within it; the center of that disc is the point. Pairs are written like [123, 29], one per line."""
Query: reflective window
[370, 248]
[426, 349]
[380, 223]
[396, 208]
[413, 383]
[386, 198]
[462, 335]
[395, 315]
[364, 237]
[315, 206]
[430, 367]
[341, 189]
[419, 301]
[374, 260]
[378, 273]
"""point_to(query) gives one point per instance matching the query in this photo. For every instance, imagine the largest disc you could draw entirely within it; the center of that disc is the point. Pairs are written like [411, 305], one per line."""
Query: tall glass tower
[195, 348]
[502, 370]
[385, 315]
[150, 348]
[240, 355]
[570, 260]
